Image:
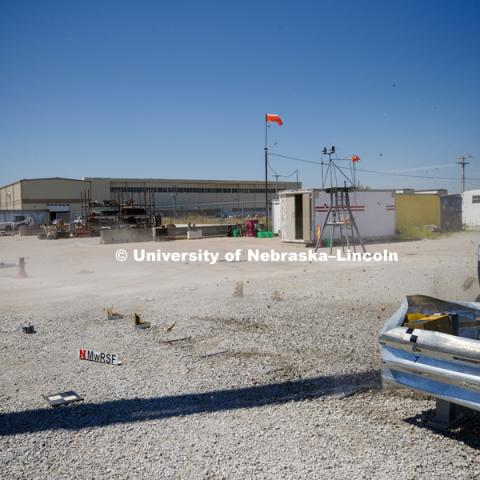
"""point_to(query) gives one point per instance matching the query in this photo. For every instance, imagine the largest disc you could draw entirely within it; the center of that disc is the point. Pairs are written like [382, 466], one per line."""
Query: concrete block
[194, 234]
[126, 235]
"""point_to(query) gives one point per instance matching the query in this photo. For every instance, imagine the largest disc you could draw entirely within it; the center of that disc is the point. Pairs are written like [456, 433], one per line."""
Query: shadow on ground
[467, 432]
[88, 415]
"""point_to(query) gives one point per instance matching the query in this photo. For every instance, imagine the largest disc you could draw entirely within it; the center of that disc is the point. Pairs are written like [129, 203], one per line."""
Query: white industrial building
[301, 212]
[471, 208]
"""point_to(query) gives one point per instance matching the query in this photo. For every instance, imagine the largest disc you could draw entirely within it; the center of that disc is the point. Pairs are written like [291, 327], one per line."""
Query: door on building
[303, 217]
[59, 212]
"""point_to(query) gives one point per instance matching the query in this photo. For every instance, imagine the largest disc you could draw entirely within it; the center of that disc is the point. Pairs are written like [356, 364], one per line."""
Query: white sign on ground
[99, 357]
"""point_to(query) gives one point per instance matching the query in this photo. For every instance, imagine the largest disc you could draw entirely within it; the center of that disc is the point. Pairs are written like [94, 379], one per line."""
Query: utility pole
[462, 163]
[269, 117]
[276, 175]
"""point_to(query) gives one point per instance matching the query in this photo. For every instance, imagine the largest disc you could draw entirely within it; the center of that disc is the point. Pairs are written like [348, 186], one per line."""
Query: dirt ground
[280, 382]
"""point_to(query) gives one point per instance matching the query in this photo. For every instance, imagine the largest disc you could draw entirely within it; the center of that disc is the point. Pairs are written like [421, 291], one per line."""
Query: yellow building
[417, 210]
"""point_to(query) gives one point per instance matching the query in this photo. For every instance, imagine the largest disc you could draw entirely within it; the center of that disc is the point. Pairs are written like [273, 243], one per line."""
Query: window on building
[475, 198]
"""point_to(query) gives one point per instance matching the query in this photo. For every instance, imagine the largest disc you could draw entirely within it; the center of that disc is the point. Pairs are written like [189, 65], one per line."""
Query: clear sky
[179, 89]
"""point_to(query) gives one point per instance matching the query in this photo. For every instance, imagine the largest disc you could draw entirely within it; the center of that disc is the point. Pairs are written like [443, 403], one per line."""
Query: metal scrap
[139, 323]
[171, 326]
[29, 329]
[238, 290]
[111, 315]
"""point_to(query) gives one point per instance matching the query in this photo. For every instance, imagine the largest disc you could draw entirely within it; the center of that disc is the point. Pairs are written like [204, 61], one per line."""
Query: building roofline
[181, 180]
[52, 178]
[37, 179]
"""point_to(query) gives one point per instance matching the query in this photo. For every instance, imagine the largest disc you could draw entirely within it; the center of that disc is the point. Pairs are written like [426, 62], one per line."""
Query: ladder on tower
[340, 217]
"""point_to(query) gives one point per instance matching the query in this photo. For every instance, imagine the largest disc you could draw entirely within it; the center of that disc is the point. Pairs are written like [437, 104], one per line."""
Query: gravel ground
[248, 387]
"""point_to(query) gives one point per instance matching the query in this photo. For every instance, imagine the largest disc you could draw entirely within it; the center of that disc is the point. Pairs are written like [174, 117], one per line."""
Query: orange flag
[355, 158]
[273, 117]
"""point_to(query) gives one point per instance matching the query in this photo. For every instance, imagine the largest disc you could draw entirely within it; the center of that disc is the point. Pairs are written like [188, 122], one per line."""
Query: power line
[443, 165]
[290, 174]
[376, 172]
[295, 158]
[410, 176]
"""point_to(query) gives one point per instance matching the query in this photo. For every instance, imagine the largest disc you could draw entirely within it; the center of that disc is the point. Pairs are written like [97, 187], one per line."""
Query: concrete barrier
[28, 230]
[126, 235]
[194, 234]
[130, 235]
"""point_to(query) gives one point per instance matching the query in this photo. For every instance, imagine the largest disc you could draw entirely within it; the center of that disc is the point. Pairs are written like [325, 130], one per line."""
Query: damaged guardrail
[443, 365]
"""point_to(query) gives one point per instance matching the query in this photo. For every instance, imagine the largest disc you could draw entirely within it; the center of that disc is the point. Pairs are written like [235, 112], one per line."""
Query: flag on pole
[355, 158]
[273, 117]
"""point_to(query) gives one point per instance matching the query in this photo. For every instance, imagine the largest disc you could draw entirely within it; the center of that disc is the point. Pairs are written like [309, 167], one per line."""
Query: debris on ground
[62, 398]
[212, 354]
[469, 281]
[238, 290]
[111, 315]
[276, 296]
[29, 329]
[174, 340]
[283, 390]
[171, 326]
[139, 323]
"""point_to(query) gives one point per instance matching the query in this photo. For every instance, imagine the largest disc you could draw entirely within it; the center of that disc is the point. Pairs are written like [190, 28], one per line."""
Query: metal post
[462, 163]
[266, 174]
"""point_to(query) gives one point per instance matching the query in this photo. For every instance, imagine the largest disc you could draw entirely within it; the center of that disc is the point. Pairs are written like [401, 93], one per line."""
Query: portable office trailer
[302, 212]
[471, 208]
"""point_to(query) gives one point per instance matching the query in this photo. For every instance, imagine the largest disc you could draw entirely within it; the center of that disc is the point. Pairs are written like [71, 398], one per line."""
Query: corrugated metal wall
[417, 210]
[451, 212]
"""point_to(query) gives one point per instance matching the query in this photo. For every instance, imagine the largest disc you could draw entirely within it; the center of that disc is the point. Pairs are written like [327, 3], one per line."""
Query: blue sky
[179, 89]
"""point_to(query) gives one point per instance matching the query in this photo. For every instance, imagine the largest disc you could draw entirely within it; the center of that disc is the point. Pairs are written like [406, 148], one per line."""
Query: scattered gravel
[266, 385]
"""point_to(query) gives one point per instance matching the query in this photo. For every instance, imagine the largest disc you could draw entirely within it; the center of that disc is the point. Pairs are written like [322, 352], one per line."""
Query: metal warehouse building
[62, 196]
[213, 197]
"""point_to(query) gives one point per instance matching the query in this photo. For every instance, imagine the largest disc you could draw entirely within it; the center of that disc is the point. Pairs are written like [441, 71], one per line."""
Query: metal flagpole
[266, 173]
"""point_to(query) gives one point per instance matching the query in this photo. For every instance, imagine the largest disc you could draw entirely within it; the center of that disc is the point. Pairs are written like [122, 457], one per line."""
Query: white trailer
[303, 213]
[471, 208]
